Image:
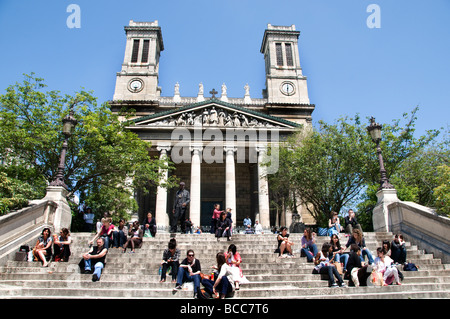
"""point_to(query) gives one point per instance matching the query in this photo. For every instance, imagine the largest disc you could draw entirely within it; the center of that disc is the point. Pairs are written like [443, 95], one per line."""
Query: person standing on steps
[215, 218]
[182, 199]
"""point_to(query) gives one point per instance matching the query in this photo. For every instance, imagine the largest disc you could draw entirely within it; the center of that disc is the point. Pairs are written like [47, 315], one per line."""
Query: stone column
[161, 216]
[263, 189]
[195, 189]
[230, 181]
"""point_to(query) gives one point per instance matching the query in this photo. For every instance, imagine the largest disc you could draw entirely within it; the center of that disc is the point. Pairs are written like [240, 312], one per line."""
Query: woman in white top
[224, 282]
[234, 260]
[384, 265]
[324, 266]
[258, 228]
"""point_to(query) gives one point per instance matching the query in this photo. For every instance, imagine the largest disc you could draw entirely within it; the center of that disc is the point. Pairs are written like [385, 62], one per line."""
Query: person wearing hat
[182, 199]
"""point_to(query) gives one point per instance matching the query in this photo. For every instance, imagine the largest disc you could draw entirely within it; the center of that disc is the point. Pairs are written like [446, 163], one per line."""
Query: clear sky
[351, 68]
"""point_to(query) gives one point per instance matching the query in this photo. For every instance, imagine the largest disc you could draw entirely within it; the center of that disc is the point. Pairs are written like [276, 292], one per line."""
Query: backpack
[203, 294]
[410, 267]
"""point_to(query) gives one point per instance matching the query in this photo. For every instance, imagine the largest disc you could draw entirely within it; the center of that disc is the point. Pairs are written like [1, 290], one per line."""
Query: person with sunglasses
[189, 270]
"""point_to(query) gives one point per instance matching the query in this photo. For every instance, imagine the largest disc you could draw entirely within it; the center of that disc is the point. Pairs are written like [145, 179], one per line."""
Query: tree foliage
[336, 166]
[104, 160]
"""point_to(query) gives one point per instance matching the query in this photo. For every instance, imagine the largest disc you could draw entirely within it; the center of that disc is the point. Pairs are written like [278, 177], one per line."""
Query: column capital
[163, 148]
[228, 148]
[261, 148]
[196, 148]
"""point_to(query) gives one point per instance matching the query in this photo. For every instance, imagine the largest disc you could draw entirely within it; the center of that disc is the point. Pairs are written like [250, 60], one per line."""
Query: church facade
[218, 144]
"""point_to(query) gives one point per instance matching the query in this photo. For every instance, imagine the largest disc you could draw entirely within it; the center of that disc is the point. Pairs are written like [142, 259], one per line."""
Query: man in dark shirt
[351, 222]
[96, 256]
[363, 271]
[189, 270]
[182, 199]
[398, 249]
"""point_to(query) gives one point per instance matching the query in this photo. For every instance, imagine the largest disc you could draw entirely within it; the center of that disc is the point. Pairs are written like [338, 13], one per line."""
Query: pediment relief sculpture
[219, 117]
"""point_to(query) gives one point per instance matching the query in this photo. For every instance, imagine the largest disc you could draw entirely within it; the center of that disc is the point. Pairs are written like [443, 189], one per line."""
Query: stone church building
[218, 143]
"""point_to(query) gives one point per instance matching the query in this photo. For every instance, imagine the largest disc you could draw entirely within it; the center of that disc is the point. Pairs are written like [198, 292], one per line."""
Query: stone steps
[283, 290]
[136, 275]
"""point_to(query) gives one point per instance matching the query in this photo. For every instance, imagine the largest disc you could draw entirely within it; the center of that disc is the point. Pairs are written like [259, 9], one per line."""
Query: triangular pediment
[213, 113]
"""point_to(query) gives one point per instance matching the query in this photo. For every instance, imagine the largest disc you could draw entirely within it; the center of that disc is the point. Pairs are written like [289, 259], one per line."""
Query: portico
[219, 163]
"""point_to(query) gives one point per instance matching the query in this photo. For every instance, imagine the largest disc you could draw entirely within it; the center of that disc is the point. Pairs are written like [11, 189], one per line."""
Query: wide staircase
[136, 275]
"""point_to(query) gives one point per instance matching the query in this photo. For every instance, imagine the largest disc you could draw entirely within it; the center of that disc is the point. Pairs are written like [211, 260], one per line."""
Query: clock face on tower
[135, 85]
[287, 88]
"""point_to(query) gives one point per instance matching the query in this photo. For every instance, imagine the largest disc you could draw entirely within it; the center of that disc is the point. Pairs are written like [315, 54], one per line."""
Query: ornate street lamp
[69, 123]
[375, 132]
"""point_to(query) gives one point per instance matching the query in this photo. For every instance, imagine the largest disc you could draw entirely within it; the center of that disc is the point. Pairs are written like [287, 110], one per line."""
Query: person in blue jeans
[189, 270]
[309, 247]
[120, 234]
[398, 249]
[220, 284]
[95, 256]
[358, 239]
[338, 251]
[105, 232]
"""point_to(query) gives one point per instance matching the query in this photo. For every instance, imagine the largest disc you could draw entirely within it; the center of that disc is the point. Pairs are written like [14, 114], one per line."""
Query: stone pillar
[161, 216]
[230, 181]
[63, 215]
[380, 214]
[263, 189]
[195, 189]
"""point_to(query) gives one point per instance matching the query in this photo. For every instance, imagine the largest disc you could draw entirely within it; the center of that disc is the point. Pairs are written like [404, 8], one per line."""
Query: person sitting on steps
[284, 244]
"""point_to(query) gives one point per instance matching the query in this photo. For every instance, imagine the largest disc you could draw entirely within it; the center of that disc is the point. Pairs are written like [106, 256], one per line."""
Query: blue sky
[351, 68]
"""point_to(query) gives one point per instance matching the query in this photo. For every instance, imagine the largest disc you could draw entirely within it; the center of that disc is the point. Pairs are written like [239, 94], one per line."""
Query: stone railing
[25, 225]
[421, 226]
[255, 102]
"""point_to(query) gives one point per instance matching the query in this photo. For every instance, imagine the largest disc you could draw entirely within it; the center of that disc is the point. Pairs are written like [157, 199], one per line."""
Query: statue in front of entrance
[182, 199]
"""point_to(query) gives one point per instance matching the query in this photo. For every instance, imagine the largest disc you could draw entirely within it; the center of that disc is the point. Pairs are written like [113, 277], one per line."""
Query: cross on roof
[213, 92]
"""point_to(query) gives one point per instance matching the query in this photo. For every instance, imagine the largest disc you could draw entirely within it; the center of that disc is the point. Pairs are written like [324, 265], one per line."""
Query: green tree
[336, 166]
[104, 160]
[442, 192]
[320, 165]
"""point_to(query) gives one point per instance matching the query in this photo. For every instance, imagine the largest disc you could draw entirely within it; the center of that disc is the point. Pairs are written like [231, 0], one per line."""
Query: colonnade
[263, 214]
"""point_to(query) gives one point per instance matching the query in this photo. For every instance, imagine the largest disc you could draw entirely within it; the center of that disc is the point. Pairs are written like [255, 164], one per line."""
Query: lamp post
[69, 123]
[374, 130]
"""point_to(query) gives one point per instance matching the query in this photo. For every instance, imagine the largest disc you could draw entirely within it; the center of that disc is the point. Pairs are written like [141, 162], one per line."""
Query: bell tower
[285, 83]
[138, 79]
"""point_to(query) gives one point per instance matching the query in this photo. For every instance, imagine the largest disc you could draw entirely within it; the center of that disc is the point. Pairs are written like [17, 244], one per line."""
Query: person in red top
[234, 260]
[105, 232]
[215, 218]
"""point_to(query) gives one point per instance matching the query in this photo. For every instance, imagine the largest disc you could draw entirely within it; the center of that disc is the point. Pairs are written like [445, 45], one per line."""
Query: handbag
[339, 268]
[377, 278]
[205, 276]
[147, 233]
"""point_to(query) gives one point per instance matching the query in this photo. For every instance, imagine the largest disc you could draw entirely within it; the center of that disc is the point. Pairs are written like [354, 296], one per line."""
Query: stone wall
[24, 226]
[421, 226]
